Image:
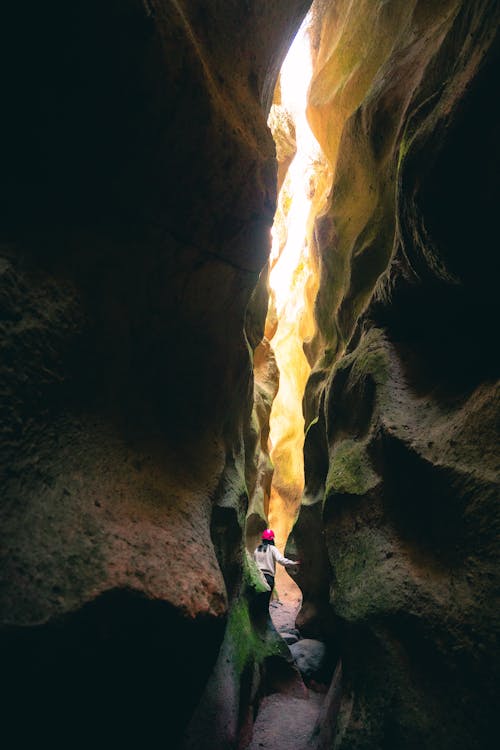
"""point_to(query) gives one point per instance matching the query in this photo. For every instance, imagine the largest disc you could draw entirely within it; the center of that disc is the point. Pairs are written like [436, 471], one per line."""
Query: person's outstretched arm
[283, 560]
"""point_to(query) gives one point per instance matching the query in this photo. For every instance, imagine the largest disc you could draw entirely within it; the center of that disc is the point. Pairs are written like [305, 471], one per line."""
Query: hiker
[266, 556]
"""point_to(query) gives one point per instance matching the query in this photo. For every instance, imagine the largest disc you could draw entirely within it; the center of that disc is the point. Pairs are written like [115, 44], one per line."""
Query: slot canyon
[164, 400]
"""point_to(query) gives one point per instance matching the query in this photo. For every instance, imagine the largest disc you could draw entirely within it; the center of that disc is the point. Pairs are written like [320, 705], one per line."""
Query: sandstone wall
[399, 523]
[137, 191]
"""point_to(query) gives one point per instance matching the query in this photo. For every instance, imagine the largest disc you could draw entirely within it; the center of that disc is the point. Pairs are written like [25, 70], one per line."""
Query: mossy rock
[350, 471]
[252, 576]
[365, 580]
[252, 641]
[369, 359]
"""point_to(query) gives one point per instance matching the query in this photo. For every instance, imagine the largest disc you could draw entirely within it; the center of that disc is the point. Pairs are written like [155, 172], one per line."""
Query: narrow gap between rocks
[288, 714]
[292, 282]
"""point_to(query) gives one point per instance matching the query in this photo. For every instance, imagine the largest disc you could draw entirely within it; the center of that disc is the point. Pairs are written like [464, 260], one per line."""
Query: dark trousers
[270, 580]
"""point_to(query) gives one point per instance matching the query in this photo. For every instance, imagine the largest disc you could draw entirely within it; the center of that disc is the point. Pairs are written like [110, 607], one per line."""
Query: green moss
[364, 584]
[252, 576]
[370, 358]
[350, 471]
[248, 642]
[240, 634]
[404, 147]
[311, 424]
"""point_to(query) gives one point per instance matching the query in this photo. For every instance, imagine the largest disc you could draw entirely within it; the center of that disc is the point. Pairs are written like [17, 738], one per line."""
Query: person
[267, 555]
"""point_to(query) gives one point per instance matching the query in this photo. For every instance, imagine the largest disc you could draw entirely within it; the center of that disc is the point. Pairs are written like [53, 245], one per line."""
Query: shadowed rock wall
[137, 191]
[399, 524]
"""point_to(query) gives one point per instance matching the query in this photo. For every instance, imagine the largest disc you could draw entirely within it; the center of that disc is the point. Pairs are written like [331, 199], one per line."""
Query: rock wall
[137, 190]
[262, 321]
[399, 524]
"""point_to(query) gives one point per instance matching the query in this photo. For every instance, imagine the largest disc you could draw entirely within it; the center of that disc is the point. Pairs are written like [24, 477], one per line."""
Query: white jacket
[267, 558]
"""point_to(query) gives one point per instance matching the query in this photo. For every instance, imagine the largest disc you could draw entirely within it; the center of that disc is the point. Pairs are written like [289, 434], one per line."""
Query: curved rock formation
[402, 406]
[137, 192]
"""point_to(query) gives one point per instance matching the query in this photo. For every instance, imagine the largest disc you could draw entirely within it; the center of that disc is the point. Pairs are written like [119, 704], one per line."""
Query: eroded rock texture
[399, 525]
[137, 191]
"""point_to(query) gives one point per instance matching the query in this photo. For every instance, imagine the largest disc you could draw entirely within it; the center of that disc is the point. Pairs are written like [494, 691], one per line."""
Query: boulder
[310, 658]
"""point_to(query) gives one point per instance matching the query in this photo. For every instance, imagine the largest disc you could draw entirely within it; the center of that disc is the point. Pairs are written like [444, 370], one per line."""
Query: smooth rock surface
[309, 656]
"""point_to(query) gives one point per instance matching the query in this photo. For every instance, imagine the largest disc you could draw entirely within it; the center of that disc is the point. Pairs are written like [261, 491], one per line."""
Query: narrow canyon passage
[177, 374]
[288, 715]
[293, 279]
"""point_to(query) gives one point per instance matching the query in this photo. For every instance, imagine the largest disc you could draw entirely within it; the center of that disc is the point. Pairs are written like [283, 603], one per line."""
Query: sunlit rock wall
[259, 467]
[137, 191]
[261, 325]
[399, 524]
[293, 281]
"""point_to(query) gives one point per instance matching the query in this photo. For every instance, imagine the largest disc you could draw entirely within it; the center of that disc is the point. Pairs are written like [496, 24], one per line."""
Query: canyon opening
[293, 281]
[215, 320]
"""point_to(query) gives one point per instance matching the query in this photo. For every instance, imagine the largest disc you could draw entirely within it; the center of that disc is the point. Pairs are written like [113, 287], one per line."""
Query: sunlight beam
[291, 272]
